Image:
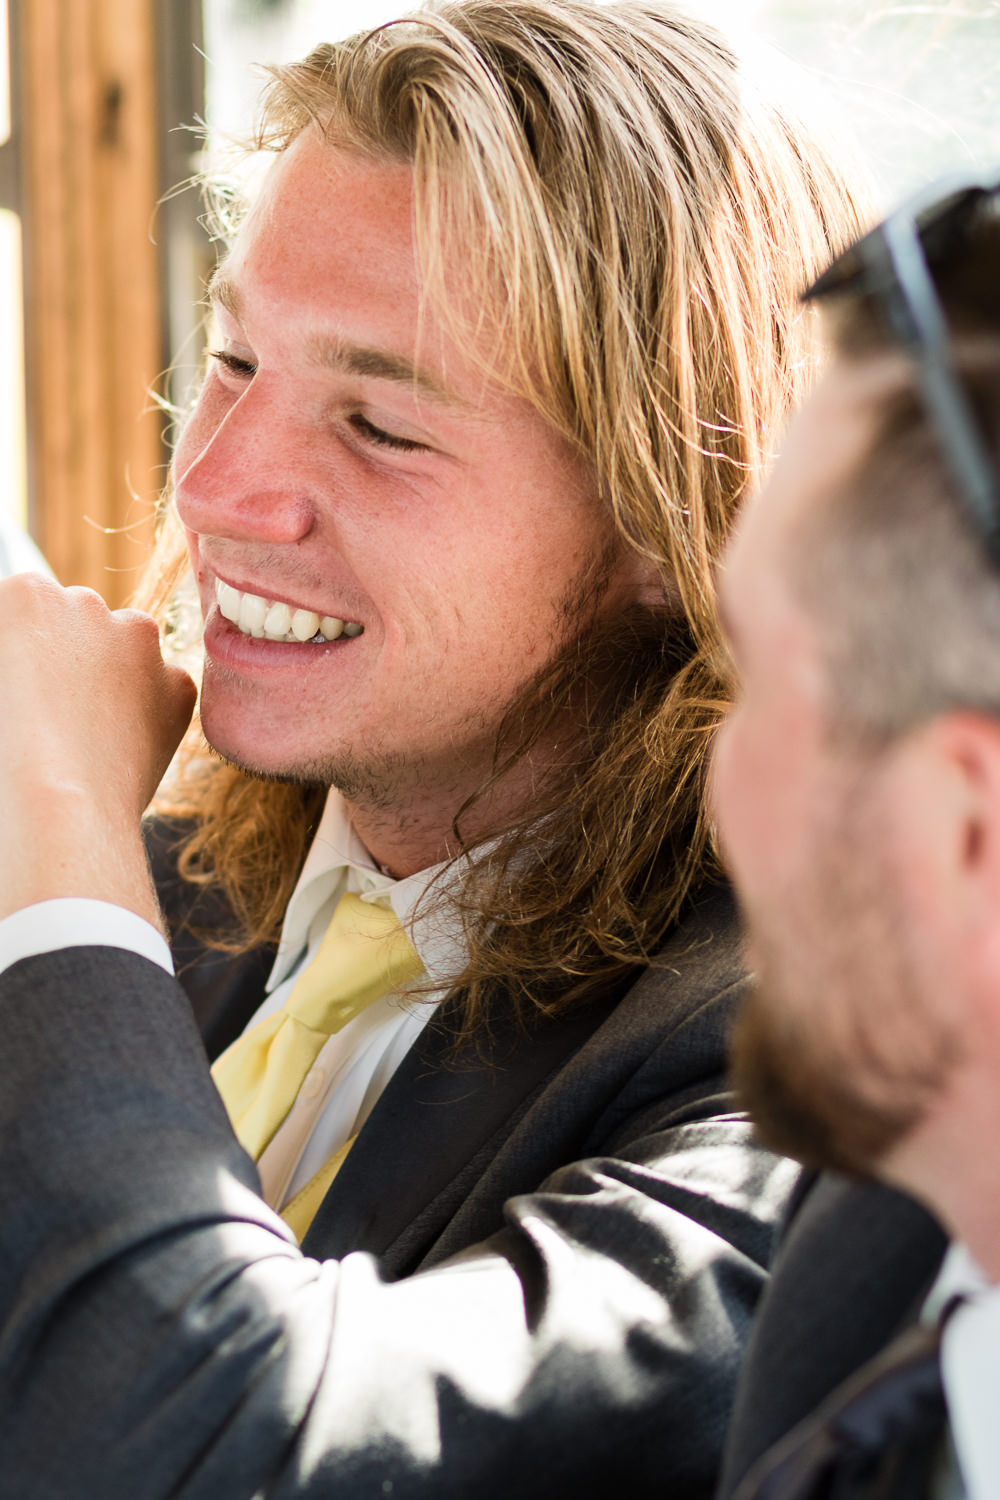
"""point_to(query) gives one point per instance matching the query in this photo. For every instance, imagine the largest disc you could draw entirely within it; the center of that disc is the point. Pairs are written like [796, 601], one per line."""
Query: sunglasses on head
[894, 265]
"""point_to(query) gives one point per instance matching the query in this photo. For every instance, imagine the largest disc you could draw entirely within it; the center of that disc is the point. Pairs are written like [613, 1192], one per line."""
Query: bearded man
[857, 786]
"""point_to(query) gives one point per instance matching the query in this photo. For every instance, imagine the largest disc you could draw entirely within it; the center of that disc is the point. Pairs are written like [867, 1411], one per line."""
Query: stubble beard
[840, 1051]
[392, 783]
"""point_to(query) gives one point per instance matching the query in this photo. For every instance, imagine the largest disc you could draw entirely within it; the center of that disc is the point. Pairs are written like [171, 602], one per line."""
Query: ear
[966, 747]
[645, 583]
[951, 768]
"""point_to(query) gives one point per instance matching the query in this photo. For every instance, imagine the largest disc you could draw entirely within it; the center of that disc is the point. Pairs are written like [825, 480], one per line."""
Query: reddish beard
[812, 1107]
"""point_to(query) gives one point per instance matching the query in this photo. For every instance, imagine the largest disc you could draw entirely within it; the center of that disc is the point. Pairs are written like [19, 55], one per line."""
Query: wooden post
[92, 298]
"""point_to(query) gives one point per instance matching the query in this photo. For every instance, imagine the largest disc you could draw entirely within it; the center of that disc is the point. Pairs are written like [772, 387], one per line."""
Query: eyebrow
[340, 354]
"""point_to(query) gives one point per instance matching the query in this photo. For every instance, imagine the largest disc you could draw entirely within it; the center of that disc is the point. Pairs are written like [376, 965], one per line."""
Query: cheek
[738, 796]
[760, 799]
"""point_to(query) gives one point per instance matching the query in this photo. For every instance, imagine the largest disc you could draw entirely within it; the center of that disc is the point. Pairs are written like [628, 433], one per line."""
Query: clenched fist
[91, 716]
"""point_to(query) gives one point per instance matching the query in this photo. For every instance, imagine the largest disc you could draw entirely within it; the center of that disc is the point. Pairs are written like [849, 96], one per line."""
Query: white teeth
[253, 613]
[278, 620]
[229, 600]
[305, 623]
[274, 621]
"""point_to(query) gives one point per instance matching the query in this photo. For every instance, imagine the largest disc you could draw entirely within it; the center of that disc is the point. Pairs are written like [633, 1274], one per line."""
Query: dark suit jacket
[853, 1270]
[589, 1220]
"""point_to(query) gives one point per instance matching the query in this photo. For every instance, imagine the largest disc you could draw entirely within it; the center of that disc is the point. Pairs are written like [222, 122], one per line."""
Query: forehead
[318, 199]
[331, 239]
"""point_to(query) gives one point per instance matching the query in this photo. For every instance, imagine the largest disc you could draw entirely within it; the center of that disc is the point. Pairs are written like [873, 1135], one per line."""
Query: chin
[257, 771]
[250, 752]
[812, 1103]
[372, 780]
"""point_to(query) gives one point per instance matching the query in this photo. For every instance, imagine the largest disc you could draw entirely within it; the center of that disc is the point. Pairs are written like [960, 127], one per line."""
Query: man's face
[841, 1045]
[347, 462]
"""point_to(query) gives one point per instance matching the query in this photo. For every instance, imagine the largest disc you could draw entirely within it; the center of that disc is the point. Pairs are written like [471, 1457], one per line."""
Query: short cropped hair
[903, 586]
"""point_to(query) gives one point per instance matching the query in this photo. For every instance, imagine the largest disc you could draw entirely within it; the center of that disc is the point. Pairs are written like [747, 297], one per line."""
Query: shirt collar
[337, 862]
[960, 1276]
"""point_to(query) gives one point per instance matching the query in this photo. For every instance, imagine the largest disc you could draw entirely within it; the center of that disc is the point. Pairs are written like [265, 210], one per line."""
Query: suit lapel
[443, 1120]
[445, 1113]
[406, 1174]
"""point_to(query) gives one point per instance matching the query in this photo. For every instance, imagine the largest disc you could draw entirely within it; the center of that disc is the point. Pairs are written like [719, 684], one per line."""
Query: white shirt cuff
[75, 922]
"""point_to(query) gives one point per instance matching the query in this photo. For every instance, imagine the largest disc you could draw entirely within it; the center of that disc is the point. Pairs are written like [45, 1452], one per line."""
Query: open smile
[273, 620]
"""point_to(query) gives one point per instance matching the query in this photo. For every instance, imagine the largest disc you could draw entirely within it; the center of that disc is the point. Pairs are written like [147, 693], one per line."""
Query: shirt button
[313, 1083]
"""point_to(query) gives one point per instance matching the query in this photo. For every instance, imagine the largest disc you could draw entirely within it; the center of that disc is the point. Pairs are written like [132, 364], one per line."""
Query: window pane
[4, 74]
[916, 85]
[12, 469]
[240, 33]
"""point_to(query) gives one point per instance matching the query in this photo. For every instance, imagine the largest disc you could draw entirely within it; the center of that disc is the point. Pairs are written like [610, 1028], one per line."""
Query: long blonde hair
[642, 220]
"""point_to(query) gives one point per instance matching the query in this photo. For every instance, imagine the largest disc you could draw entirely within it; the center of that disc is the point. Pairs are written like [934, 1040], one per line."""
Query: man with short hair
[857, 788]
[498, 346]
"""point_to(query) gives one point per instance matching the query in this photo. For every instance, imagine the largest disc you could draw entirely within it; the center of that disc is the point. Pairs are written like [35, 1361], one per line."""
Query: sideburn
[577, 699]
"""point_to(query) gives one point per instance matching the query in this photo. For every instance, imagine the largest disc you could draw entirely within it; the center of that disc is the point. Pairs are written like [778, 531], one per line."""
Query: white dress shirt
[350, 1073]
[970, 1369]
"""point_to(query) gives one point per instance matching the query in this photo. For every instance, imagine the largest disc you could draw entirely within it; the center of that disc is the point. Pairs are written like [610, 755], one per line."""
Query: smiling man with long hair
[500, 342]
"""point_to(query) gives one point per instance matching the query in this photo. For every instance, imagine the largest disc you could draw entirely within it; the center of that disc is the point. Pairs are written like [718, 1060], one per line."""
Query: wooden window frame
[89, 81]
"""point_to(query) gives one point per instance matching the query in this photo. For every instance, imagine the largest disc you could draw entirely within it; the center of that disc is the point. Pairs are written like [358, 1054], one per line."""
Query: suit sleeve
[161, 1334]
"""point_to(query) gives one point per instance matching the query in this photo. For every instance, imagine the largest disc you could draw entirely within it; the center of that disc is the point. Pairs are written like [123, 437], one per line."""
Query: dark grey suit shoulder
[852, 1271]
[534, 1275]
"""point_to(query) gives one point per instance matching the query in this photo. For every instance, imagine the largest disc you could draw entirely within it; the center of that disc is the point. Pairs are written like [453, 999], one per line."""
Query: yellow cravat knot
[364, 955]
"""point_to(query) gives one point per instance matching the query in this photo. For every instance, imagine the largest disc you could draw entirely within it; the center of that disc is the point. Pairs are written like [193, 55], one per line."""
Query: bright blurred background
[82, 453]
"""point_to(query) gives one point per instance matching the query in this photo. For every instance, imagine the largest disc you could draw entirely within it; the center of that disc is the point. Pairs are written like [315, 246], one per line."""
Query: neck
[949, 1163]
[412, 832]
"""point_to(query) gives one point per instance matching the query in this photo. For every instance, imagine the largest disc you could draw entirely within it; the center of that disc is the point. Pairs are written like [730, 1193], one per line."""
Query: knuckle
[182, 684]
[24, 589]
[138, 621]
[86, 599]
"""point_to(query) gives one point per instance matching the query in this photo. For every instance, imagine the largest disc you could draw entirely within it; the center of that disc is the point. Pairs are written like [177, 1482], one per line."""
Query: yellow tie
[299, 1212]
[364, 954]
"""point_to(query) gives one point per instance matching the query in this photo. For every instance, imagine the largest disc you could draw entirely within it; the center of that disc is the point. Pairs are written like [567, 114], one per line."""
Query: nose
[240, 470]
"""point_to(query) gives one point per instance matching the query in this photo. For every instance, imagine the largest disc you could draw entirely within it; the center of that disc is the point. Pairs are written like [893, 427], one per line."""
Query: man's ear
[646, 584]
[967, 747]
[956, 796]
